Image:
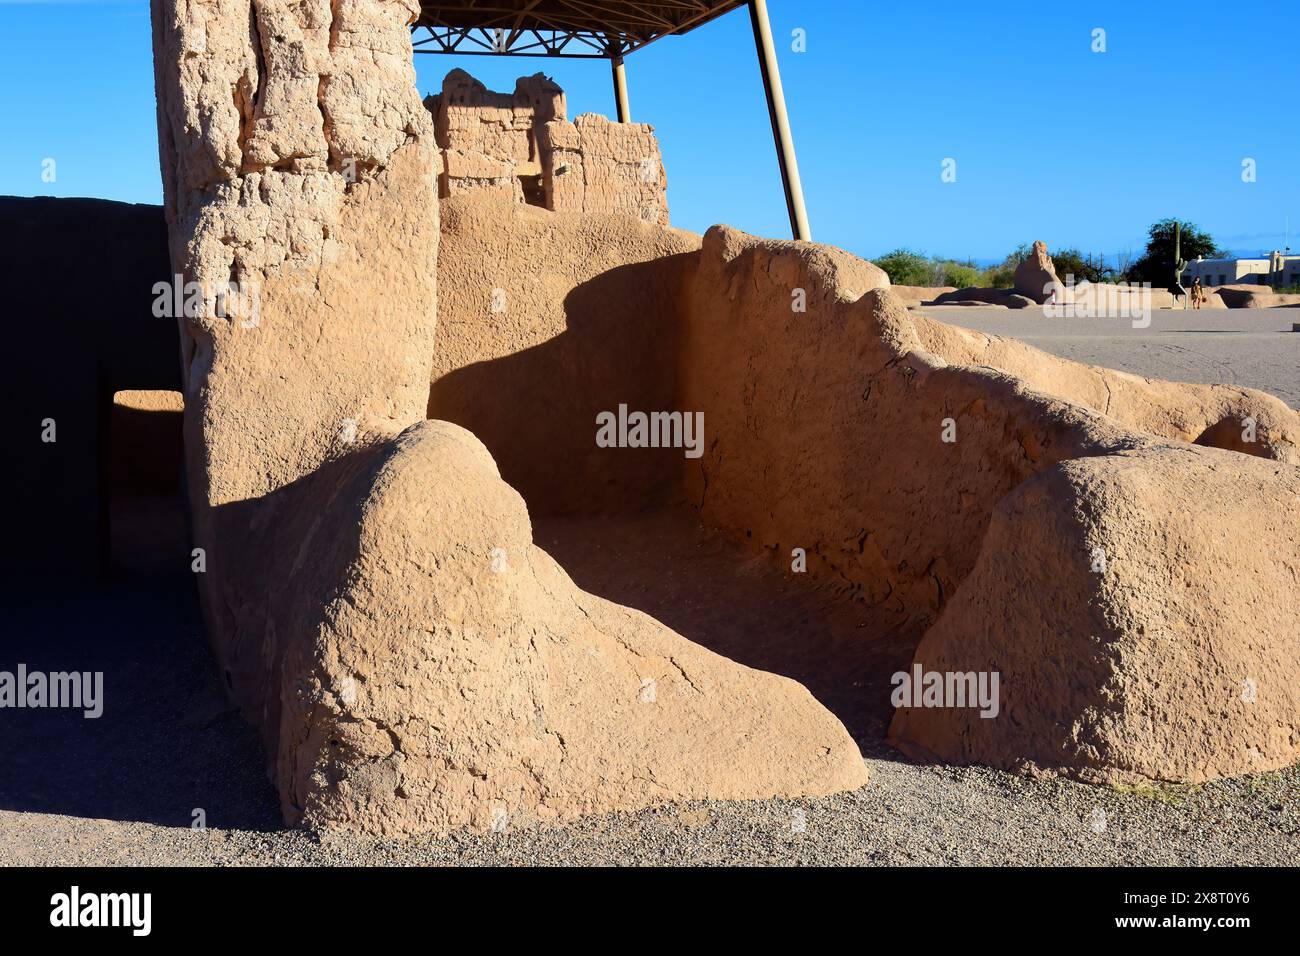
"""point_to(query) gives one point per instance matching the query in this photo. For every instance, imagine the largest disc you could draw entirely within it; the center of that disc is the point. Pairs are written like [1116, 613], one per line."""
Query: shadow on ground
[745, 606]
[167, 742]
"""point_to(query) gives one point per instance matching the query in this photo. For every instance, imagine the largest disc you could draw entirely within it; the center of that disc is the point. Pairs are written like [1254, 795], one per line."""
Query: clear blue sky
[1052, 141]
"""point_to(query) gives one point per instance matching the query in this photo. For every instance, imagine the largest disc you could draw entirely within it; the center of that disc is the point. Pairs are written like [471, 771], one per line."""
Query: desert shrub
[905, 267]
[960, 276]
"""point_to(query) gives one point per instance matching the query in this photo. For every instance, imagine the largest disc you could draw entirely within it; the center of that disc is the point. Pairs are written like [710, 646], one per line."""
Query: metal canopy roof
[582, 28]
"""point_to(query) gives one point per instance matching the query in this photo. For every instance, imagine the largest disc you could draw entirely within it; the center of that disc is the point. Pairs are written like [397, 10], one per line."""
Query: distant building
[1275, 270]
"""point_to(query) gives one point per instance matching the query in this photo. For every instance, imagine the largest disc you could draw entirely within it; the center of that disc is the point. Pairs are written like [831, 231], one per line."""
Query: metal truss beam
[480, 41]
[580, 28]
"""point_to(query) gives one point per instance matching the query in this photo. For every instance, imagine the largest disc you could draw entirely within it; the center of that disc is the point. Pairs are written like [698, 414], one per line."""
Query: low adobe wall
[1255, 297]
[826, 426]
[894, 450]
[1013, 513]
[1214, 415]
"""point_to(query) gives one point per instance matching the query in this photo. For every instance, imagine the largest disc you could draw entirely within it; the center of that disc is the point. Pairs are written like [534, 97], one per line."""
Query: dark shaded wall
[585, 320]
[79, 277]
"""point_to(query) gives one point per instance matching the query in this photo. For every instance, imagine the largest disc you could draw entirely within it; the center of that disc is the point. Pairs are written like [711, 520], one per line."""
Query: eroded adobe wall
[298, 164]
[825, 420]
[1126, 586]
[522, 146]
[1175, 657]
[371, 590]
[598, 168]
[545, 321]
[827, 426]
[489, 140]
[826, 406]
[296, 161]
[1215, 415]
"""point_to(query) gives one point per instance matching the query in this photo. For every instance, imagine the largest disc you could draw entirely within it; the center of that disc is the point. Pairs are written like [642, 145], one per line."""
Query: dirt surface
[1253, 347]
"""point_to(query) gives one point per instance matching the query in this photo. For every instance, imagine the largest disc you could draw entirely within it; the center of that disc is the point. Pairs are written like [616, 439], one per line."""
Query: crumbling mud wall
[522, 146]
[369, 583]
[547, 320]
[826, 423]
[296, 164]
[597, 167]
[489, 141]
[1115, 578]
[908, 460]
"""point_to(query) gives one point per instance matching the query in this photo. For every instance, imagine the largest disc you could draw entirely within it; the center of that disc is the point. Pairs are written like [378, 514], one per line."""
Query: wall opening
[144, 465]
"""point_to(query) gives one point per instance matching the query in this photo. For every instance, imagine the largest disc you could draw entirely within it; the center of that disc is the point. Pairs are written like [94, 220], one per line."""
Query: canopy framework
[606, 29]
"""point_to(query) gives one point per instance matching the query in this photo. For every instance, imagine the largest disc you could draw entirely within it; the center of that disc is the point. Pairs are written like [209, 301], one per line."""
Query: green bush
[960, 276]
[905, 267]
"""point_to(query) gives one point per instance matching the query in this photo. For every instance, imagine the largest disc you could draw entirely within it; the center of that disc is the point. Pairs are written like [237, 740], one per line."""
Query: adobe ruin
[523, 146]
[375, 598]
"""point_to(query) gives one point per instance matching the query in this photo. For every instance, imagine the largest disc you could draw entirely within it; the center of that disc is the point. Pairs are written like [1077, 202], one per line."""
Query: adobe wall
[1175, 660]
[489, 140]
[964, 506]
[83, 327]
[597, 167]
[1204, 414]
[297, 162]
[522, 146]
[826, 406]
[826, 415]
[546, 320]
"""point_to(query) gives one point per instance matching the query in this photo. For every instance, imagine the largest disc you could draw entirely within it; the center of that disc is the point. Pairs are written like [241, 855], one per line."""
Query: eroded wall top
[522, 145]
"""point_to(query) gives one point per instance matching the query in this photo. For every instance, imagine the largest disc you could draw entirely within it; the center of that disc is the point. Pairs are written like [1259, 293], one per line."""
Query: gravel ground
[907, 815]
[122, 790]
[1253, 347]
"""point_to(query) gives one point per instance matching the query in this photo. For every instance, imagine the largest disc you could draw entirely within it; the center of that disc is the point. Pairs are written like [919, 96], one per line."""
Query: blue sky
[1051, 140]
